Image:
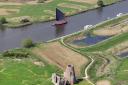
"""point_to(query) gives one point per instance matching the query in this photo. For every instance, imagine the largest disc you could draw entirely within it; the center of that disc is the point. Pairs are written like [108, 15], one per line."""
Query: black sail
[59, 15]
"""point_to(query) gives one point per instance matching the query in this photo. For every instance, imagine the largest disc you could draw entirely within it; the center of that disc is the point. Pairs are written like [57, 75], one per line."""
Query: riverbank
[47, 14]
[103, 68]
[119, 22]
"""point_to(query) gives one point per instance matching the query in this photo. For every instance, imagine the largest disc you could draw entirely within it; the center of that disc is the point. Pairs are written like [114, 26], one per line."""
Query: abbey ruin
[69, 77]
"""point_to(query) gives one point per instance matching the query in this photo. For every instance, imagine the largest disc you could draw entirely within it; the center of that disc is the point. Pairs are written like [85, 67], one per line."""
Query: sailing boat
[60, 18]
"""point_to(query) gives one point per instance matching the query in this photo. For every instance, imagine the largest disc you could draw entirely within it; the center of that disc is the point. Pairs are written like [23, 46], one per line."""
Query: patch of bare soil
[120, 48]
[36, 1]
[109, 32]
[85, 1]
[103, 82]
[10, 3]
[16, 0]
[61, 56]
[20, 2]
[38, 63]
[8, 11]
[48, 1]
[113, 29]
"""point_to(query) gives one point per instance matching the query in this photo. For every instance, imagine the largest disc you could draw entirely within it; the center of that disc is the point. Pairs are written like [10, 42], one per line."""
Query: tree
[3, 20]
[28, 43]
[100, 3]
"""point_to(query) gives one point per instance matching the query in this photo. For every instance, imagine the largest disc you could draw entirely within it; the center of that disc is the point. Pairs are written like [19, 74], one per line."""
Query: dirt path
[21, 2]
[85, 1]
[61, 56]
[103, 82]
[113, 29]
[9, 3]
[86, 71]
[120, 48]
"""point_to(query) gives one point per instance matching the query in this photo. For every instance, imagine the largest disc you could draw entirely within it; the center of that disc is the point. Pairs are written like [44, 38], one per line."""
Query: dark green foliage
[100, 3]
[25, 20]
[16, 54]
[3, 20]
[28, 43]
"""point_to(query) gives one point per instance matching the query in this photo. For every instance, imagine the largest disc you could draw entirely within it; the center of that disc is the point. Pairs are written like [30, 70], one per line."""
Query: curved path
[89, 65]
[86, 70]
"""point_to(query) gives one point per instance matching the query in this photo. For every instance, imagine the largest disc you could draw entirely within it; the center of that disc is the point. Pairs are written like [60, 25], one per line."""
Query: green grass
[37, 10]
[24, 71]
[121, 73]
[93, 69]
[110, 1]
[83, 83]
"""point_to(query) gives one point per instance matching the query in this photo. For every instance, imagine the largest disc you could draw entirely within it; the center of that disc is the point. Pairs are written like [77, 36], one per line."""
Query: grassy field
[42, 12]
[32, 69]
[122, 73]
[25, 71]
[110, 1]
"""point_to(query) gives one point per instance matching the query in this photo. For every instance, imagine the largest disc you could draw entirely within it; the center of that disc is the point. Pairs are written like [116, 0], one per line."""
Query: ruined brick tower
[68, 79]
[69, 75]
[57, 80]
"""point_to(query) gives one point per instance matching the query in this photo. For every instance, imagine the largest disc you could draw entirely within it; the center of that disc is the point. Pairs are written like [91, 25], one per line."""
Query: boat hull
[61, 22]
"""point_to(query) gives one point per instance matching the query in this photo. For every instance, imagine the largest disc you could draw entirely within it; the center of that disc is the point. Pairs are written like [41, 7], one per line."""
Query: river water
[12, 38]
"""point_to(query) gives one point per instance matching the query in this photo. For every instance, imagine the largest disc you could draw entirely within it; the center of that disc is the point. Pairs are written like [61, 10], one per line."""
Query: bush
[15, 54]
[25, 20]
[3, 20]
[100, 3]
[28, 43]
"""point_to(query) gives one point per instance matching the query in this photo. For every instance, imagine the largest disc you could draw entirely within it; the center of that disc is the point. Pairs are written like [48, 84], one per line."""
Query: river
[12, 38]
